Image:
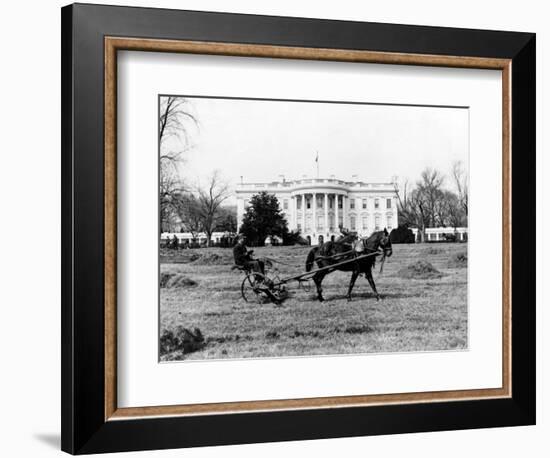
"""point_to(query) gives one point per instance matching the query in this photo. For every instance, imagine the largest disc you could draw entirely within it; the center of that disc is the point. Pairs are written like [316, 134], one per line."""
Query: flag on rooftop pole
[317, 162]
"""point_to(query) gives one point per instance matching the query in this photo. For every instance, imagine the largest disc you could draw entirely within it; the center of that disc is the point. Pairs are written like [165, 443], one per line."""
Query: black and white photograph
[303, 227]
[275, 229]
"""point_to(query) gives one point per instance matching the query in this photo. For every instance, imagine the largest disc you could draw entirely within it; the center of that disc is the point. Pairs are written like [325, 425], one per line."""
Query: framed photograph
[281, 228]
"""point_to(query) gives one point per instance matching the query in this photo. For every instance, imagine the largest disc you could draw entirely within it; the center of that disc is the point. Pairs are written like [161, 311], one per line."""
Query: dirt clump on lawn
[178, 256]
[175, 280]
[459, 260]
[208, 259]
[420, 270]
[434, 251]
[181, 339]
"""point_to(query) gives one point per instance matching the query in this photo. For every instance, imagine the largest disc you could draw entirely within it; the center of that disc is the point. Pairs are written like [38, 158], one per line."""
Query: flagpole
[317, 162]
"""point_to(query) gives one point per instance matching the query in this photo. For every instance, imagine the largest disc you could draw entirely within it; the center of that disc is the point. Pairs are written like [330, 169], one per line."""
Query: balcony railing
[311, 181]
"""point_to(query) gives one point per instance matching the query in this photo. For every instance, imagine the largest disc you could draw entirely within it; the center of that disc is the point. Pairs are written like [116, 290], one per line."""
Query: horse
[346, 249]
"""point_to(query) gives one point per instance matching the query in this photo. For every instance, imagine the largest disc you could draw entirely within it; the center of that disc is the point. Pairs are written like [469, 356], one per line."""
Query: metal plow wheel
[261, 288]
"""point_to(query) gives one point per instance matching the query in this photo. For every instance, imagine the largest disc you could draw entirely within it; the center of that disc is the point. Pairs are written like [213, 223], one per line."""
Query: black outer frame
[84, 429]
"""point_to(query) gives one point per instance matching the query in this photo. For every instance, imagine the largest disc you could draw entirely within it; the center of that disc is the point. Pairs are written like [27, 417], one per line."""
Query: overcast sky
[260, 140]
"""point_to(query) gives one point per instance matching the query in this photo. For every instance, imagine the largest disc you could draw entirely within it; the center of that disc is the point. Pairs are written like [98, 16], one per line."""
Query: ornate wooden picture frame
[92, 36]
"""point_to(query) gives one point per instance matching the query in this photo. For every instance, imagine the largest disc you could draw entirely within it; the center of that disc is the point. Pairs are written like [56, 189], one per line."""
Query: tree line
[184, 206]
[434, 200]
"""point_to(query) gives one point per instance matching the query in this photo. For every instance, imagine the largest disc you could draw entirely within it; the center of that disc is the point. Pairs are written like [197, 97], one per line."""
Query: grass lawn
[413, 315]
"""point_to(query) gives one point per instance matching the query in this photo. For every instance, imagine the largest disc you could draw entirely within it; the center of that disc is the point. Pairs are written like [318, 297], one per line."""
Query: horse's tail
[311, 258]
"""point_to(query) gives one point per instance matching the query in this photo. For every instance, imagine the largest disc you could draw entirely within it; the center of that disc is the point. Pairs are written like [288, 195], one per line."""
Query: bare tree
[429, 204]
[175, 114]
[407, 215]
[460, 178]
[175, 120]
[449, 210]
[189, 213]
[422, 206]
[430, 189]
[169, 189]
[209, 200]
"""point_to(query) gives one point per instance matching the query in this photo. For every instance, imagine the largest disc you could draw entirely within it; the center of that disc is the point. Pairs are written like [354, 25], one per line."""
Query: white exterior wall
[437, 234]
[326, 190]
[199, 237]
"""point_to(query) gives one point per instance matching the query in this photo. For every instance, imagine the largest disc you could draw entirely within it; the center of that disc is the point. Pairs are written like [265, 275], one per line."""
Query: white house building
[319, 207]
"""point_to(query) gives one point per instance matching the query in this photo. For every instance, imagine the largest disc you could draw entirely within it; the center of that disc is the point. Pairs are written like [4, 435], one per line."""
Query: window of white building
[389, 224]
[352, 222]
[388, 203]
[285, 204]
[298, 203]
[377, 223]
[339, 201]
[352, 204]
[376, 203]
[364, 204]
[365, 223]
[320, 222]
[308, 203]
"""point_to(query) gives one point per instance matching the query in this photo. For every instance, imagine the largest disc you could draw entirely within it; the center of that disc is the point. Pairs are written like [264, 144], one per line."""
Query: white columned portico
[344, 212]
[295, 212]
[314, 207]
[336, 228]
[326, 229]
[303, 197]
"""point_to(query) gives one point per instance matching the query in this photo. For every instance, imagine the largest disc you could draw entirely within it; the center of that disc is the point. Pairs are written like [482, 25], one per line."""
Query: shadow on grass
[370, 295]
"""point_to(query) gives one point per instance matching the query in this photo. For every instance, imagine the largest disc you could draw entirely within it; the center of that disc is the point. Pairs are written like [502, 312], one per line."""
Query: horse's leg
[354, 276]
[368, 274]
[318, 279]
